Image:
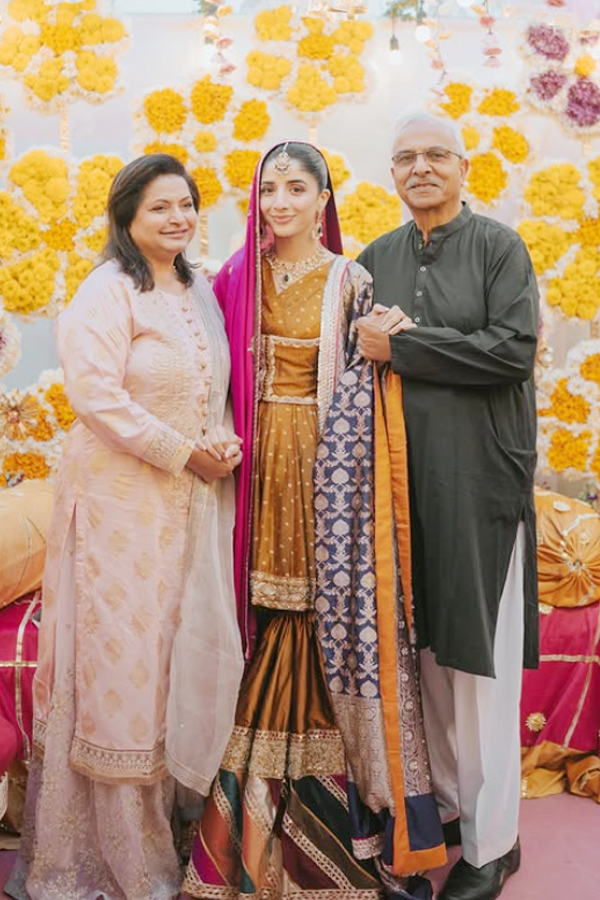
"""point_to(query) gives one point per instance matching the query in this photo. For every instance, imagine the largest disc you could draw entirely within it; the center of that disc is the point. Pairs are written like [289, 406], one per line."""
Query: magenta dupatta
[238, 287]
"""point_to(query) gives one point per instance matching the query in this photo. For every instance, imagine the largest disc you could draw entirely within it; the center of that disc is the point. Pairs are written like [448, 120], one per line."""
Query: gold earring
[317, 230]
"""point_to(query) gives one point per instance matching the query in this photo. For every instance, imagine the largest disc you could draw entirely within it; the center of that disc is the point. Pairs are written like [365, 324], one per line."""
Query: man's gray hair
[420, 116]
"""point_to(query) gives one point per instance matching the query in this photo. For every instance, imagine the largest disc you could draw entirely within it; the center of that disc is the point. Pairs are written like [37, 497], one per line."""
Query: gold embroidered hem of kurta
[278, 754]
[282, 592]
[136, 766]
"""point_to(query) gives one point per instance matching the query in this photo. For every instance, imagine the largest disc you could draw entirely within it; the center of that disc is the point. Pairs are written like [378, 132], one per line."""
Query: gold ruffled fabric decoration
[568, 550]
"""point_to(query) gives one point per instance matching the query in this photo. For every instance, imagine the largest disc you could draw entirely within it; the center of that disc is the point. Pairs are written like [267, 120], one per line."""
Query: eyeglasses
[435, 156]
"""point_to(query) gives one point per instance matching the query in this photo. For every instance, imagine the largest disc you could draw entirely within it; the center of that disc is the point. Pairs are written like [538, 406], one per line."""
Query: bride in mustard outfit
[318, 794]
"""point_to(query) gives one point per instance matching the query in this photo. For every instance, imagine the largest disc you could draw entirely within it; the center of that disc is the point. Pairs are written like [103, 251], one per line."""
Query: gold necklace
[285, 272]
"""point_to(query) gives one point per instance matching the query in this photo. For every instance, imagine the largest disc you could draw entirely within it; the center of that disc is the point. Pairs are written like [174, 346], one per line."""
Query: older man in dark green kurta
[457, 315]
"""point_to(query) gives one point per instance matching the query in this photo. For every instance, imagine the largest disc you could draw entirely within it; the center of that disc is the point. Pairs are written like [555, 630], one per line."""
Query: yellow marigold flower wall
[368, 212]
[486, 178]
[546, 243]
[459, 99]
[590, 369]
[252, 121]
[208, 184]
[209, 100]
[165, 110]
[569, 451]
[240, 166]
[556, 191]
[177, 150]
[565, 406]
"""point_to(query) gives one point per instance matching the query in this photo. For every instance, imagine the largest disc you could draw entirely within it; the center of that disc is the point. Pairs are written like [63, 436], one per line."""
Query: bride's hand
[220, 442]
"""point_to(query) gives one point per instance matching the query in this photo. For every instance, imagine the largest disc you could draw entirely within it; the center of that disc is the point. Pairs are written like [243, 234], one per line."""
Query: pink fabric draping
[18, 655]
[236, 287]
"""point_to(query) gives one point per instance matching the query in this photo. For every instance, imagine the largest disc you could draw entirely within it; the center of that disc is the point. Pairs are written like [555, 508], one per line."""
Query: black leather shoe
[465, 882]
[452, 833]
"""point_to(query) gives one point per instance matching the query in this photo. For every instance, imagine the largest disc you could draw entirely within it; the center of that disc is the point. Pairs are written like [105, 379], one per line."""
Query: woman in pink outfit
[139, 635]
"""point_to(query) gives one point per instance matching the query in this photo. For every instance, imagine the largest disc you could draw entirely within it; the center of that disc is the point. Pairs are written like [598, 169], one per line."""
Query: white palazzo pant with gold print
[472, 729]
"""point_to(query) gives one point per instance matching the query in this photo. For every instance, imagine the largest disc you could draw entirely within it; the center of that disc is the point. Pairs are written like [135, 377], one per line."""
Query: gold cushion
[25, 513]
[568, 550]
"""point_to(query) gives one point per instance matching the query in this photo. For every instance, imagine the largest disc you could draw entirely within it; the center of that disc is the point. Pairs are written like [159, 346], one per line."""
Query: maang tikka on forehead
[283, 161]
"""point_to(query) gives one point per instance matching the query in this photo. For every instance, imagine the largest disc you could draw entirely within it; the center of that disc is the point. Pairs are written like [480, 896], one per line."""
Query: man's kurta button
[419, 293]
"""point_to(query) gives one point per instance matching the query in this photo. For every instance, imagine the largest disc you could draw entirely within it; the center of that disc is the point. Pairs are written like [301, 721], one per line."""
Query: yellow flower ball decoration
[569, 451]
[576, 290]
[44, 180]
[51, 228]
[177, 150]
[338, 169]
[565, 406]
[459, 99]
[486, 178]
[499, 102]
[319, 66]
[368, 212]
[208, 184]
[471, 137]
[274, 24]
[266, 70]
[209, 100]
[513, 145]
[311, 93]
[585, 65]
[354, 33]
[165, 110]
[252, 121]
[62, 51]
[33, 426]
[569, 414]
[546, 243]
[316, 45]
[498, 144]
[240, 166]
[556, 191]
[205, 141]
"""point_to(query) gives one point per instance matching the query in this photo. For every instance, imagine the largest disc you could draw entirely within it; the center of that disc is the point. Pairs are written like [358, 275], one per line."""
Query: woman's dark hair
[125, 196]
[309, 158]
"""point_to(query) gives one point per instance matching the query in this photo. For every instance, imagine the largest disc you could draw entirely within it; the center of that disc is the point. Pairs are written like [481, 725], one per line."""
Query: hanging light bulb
[396, 55]
[422, 33]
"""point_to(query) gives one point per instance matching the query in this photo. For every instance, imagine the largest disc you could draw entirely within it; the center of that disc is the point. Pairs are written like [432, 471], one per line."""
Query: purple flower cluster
[547, 85]
[548, 41]
[583, 103]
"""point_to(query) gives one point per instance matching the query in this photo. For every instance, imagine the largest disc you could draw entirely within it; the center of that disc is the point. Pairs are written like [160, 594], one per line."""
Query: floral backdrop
[85, 88]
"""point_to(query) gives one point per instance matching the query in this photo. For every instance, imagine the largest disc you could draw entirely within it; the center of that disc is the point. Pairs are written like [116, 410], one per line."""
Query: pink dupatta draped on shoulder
[238, 287]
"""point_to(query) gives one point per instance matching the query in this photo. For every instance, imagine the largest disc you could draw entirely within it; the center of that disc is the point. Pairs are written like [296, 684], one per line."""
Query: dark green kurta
[469, 403]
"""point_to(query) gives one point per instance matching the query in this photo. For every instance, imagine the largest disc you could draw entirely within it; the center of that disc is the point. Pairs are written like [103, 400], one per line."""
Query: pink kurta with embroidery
[145, 373]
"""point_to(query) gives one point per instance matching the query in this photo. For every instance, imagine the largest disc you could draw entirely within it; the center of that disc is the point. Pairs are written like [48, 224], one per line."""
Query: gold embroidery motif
[137, 766]
[545, 609]
[278, 754]
[281, 592]
[536, 721]
[367, 848]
